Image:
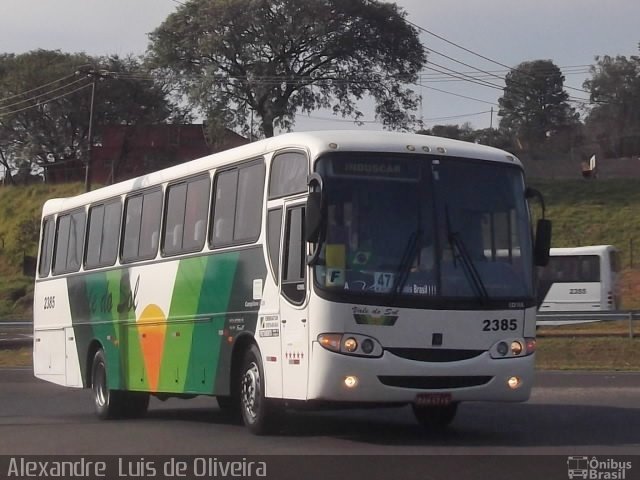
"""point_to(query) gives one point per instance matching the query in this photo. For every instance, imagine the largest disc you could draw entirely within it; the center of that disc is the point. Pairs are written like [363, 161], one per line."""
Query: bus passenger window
[141, 231]
[69, 243]
[47, 247]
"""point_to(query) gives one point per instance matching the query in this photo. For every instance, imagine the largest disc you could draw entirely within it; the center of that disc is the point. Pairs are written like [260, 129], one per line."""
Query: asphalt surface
[569, 413]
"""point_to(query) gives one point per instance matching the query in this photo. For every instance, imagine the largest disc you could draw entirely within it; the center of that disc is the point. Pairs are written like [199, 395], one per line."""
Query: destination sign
[388, 168]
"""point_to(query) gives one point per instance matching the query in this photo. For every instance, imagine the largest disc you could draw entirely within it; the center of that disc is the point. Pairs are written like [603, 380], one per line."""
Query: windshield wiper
[408, 256]
[470, 270]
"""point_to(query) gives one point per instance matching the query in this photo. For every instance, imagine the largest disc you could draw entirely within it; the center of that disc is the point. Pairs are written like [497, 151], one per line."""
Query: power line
[475, 53]
[452, 117]
[462, 76]
[36, 88]
[40, 95]
[39, 104]
[456, 94]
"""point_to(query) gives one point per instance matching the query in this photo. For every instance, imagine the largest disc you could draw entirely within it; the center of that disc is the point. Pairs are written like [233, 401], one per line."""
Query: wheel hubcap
[251, 391]
[100, 385]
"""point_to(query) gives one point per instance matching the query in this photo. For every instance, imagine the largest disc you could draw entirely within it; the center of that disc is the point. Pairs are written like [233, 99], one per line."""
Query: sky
[568, 32]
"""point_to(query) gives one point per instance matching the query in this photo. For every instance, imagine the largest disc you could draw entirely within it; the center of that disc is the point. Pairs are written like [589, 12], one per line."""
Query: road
[568, 414]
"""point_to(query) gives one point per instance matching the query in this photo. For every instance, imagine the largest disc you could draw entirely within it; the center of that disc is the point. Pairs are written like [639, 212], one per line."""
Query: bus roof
[586, 250]
[316, 143]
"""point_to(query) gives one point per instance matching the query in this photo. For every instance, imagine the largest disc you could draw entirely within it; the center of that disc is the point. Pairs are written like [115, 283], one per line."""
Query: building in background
[121, 152]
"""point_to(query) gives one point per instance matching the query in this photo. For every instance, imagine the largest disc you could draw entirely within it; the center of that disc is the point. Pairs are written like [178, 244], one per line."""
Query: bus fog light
[514, 382]
[516, 348]
[502, 348]
[367, 346]
[351, 381]
[350, 345]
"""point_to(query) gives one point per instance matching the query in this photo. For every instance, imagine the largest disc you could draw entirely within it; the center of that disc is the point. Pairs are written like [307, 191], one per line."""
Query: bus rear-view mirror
[542, 243]
[313, 216]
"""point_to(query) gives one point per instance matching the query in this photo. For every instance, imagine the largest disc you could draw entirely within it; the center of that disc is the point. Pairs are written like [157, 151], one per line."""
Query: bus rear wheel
[435, 418]
[259, 414]
[110, 403]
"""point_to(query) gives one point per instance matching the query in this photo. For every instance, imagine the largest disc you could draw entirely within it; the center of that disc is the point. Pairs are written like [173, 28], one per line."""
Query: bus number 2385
[499, 324]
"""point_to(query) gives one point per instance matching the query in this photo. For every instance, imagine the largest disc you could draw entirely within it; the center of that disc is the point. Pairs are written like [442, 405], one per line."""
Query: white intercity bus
[337, 267]
[580, 279]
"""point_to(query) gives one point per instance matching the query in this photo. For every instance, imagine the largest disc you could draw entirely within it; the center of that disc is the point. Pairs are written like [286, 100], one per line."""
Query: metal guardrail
[4, 325]
[591, 316]
[575, 318]
[15, 333]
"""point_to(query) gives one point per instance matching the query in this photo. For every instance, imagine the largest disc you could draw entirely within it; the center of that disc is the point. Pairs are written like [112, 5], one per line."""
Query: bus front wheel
[258, 413]
[435, 418]
[114, 403]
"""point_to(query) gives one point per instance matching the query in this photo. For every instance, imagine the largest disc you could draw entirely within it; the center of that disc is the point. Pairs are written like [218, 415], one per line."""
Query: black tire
[230, 406]
[435, 418]
[135, 404]
[259, 415]
[110, 404]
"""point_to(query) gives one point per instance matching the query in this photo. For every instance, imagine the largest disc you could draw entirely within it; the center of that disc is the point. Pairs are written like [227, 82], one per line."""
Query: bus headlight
[351, 344]
[367, 346]
[516, 348]
[513, 347]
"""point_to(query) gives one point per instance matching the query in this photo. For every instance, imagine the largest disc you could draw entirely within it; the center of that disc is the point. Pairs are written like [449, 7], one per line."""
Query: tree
[534, 106]
[45, 102]
[614, 120]
[462, 132]
[230, 58]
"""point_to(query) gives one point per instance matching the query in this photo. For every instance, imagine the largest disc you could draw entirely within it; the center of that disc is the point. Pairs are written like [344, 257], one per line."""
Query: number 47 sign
[382, 282]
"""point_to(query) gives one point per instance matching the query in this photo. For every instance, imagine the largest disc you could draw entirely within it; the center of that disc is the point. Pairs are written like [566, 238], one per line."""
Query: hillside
[20, 209]
[583, 213]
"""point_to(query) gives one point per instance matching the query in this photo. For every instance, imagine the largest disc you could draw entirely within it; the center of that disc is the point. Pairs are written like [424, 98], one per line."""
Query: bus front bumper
[343, 378]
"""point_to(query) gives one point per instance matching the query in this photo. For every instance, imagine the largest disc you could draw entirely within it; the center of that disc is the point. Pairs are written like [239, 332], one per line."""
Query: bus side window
[102, 233]
[293, 266]
[46, 249]
[237, 205]
[140, 237]
[288, 175]
[186, 209]
[69, 243]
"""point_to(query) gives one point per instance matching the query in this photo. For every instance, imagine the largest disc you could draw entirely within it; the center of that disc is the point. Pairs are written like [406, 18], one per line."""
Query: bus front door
[293, 305]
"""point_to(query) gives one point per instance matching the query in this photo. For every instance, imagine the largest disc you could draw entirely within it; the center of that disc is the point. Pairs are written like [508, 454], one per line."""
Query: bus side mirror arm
[314, 224]
[542, 243]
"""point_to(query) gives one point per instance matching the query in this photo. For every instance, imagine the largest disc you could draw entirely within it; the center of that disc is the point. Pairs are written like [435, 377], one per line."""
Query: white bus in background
[580, 279]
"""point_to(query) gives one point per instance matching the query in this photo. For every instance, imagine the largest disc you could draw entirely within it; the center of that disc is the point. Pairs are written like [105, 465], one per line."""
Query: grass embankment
[588, 353]
[16, 357]
[20, 209]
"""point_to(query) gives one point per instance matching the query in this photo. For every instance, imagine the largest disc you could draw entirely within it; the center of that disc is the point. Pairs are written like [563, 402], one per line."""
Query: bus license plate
[433, 399]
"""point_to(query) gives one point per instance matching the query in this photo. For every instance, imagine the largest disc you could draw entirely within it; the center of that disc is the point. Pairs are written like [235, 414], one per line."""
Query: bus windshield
[424, 228]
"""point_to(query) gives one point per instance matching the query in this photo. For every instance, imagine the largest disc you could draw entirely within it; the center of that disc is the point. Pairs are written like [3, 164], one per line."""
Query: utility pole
[87, 164]
[90, 71]
[491, 121]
